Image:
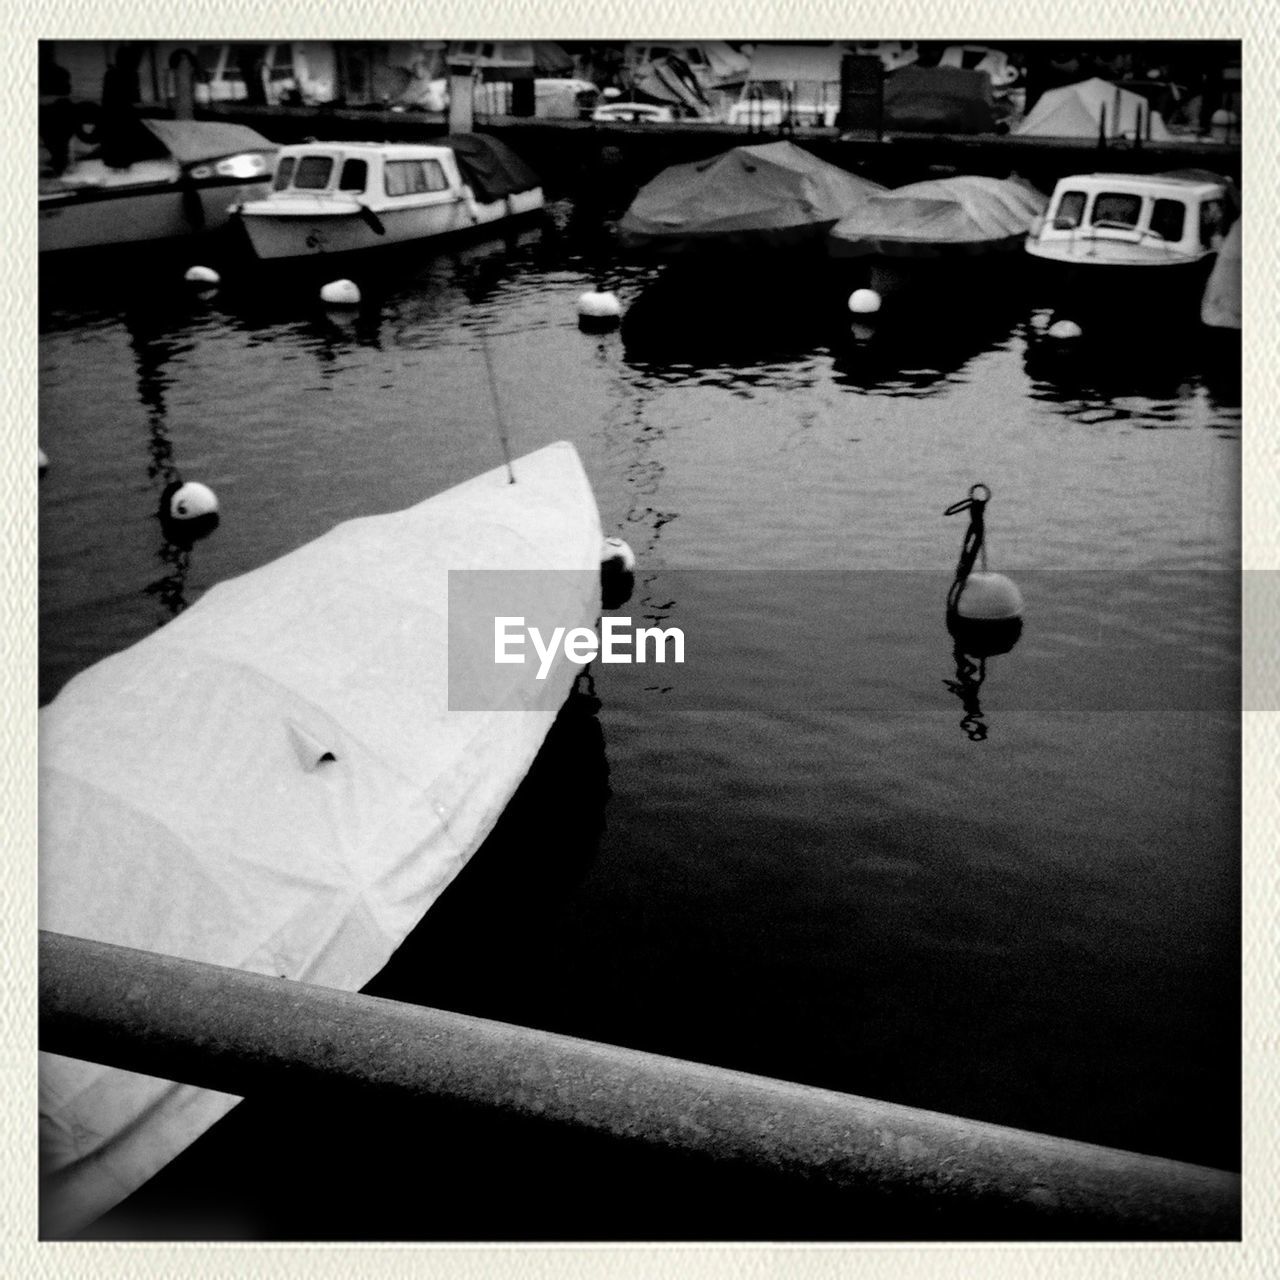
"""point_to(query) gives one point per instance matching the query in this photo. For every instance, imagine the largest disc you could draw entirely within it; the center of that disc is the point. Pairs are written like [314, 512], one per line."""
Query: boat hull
[1119, 291]
[285, 777]
[92, 218]
[282, 235]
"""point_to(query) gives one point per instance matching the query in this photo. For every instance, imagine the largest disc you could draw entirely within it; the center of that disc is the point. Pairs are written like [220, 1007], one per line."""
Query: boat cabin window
[354, 176]
[313, 173]
[1116, 209]
[414, 177]
[1070, 211]
[284, 173]
[1213, 223]
[1169, 219]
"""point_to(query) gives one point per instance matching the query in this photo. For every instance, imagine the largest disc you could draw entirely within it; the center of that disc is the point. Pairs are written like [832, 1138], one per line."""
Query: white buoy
[1040, 321]
[617, 573]
[1064, 330]
[341, 293]
[599, 306]
[202, 275]
[44, 461]
[192, 501]
[615, 552]
[864, 302]
[989, 597]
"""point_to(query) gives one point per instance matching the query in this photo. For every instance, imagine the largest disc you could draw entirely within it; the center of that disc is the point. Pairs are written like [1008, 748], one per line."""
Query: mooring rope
[499, 421]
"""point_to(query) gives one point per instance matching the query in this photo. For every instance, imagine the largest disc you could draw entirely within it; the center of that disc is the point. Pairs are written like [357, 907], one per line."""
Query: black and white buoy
[598, 310]
[188, 510]
[984, 609]
[617, 573]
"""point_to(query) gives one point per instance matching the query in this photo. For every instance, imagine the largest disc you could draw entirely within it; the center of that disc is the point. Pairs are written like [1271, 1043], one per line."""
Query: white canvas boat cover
[769, 193]
[790, 63]
[972, 213]
[194, 141]
[1076, 111]
[275, 780]
[1221, 307]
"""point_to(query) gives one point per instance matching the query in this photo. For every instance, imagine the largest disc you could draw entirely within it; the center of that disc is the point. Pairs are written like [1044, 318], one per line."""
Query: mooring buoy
[617, 572]
[864, 302]
[341, 293]
[984, 609]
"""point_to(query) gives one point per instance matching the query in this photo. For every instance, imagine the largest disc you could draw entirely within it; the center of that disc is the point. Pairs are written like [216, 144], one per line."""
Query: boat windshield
[284, 173]
[1116, 209]
[354, 175]
[313, 173]
[1169, 219]
[1070, 211]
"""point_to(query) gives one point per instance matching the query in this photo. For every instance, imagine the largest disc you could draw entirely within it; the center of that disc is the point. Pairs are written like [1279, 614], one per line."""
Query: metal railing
[244, 1033]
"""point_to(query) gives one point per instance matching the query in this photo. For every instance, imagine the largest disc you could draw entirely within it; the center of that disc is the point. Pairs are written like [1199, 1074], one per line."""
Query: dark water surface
[791, 857]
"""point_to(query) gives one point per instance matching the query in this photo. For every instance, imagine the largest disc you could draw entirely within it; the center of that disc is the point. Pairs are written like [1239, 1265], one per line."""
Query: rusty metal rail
[247, 1034]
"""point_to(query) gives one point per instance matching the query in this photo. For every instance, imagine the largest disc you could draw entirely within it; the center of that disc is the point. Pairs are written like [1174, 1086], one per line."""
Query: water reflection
[542, 847]
[153, 350]
[739, 311]
[970, 673]
[1144, 376]
[921, 347]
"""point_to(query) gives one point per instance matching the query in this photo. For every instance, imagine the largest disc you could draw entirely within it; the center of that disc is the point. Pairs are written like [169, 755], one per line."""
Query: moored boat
[927, 233]
[193, 171]
[768, 196]
[285, 777]
[1138, 240]
[343, 197]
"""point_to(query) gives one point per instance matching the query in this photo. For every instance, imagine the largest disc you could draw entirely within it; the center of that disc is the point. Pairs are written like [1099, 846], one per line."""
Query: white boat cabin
[1158, 215]
[378, 175]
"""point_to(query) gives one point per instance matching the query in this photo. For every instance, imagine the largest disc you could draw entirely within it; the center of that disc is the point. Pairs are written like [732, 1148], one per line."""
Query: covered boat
[340, 197]
[1092, 109]
[184, 176]
[285, 777]
[1221, 306]
[944, 234]
[939, 100]
[773, 194]
[940, 218]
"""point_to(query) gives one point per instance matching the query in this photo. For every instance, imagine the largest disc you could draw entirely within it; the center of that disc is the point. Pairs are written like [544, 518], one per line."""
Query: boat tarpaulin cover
[491, 168]
[939, 100]
[945, 215]
[790, 63]
[775, 191]
[276, 782]
[1221, 307]
[1076, 111]
[193, 141]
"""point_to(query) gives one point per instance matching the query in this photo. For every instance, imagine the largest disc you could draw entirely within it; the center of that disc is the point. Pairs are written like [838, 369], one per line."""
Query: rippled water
[803, 863]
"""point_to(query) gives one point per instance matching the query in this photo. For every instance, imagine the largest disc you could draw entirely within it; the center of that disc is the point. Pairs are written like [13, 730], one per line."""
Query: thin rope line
[497, 404]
